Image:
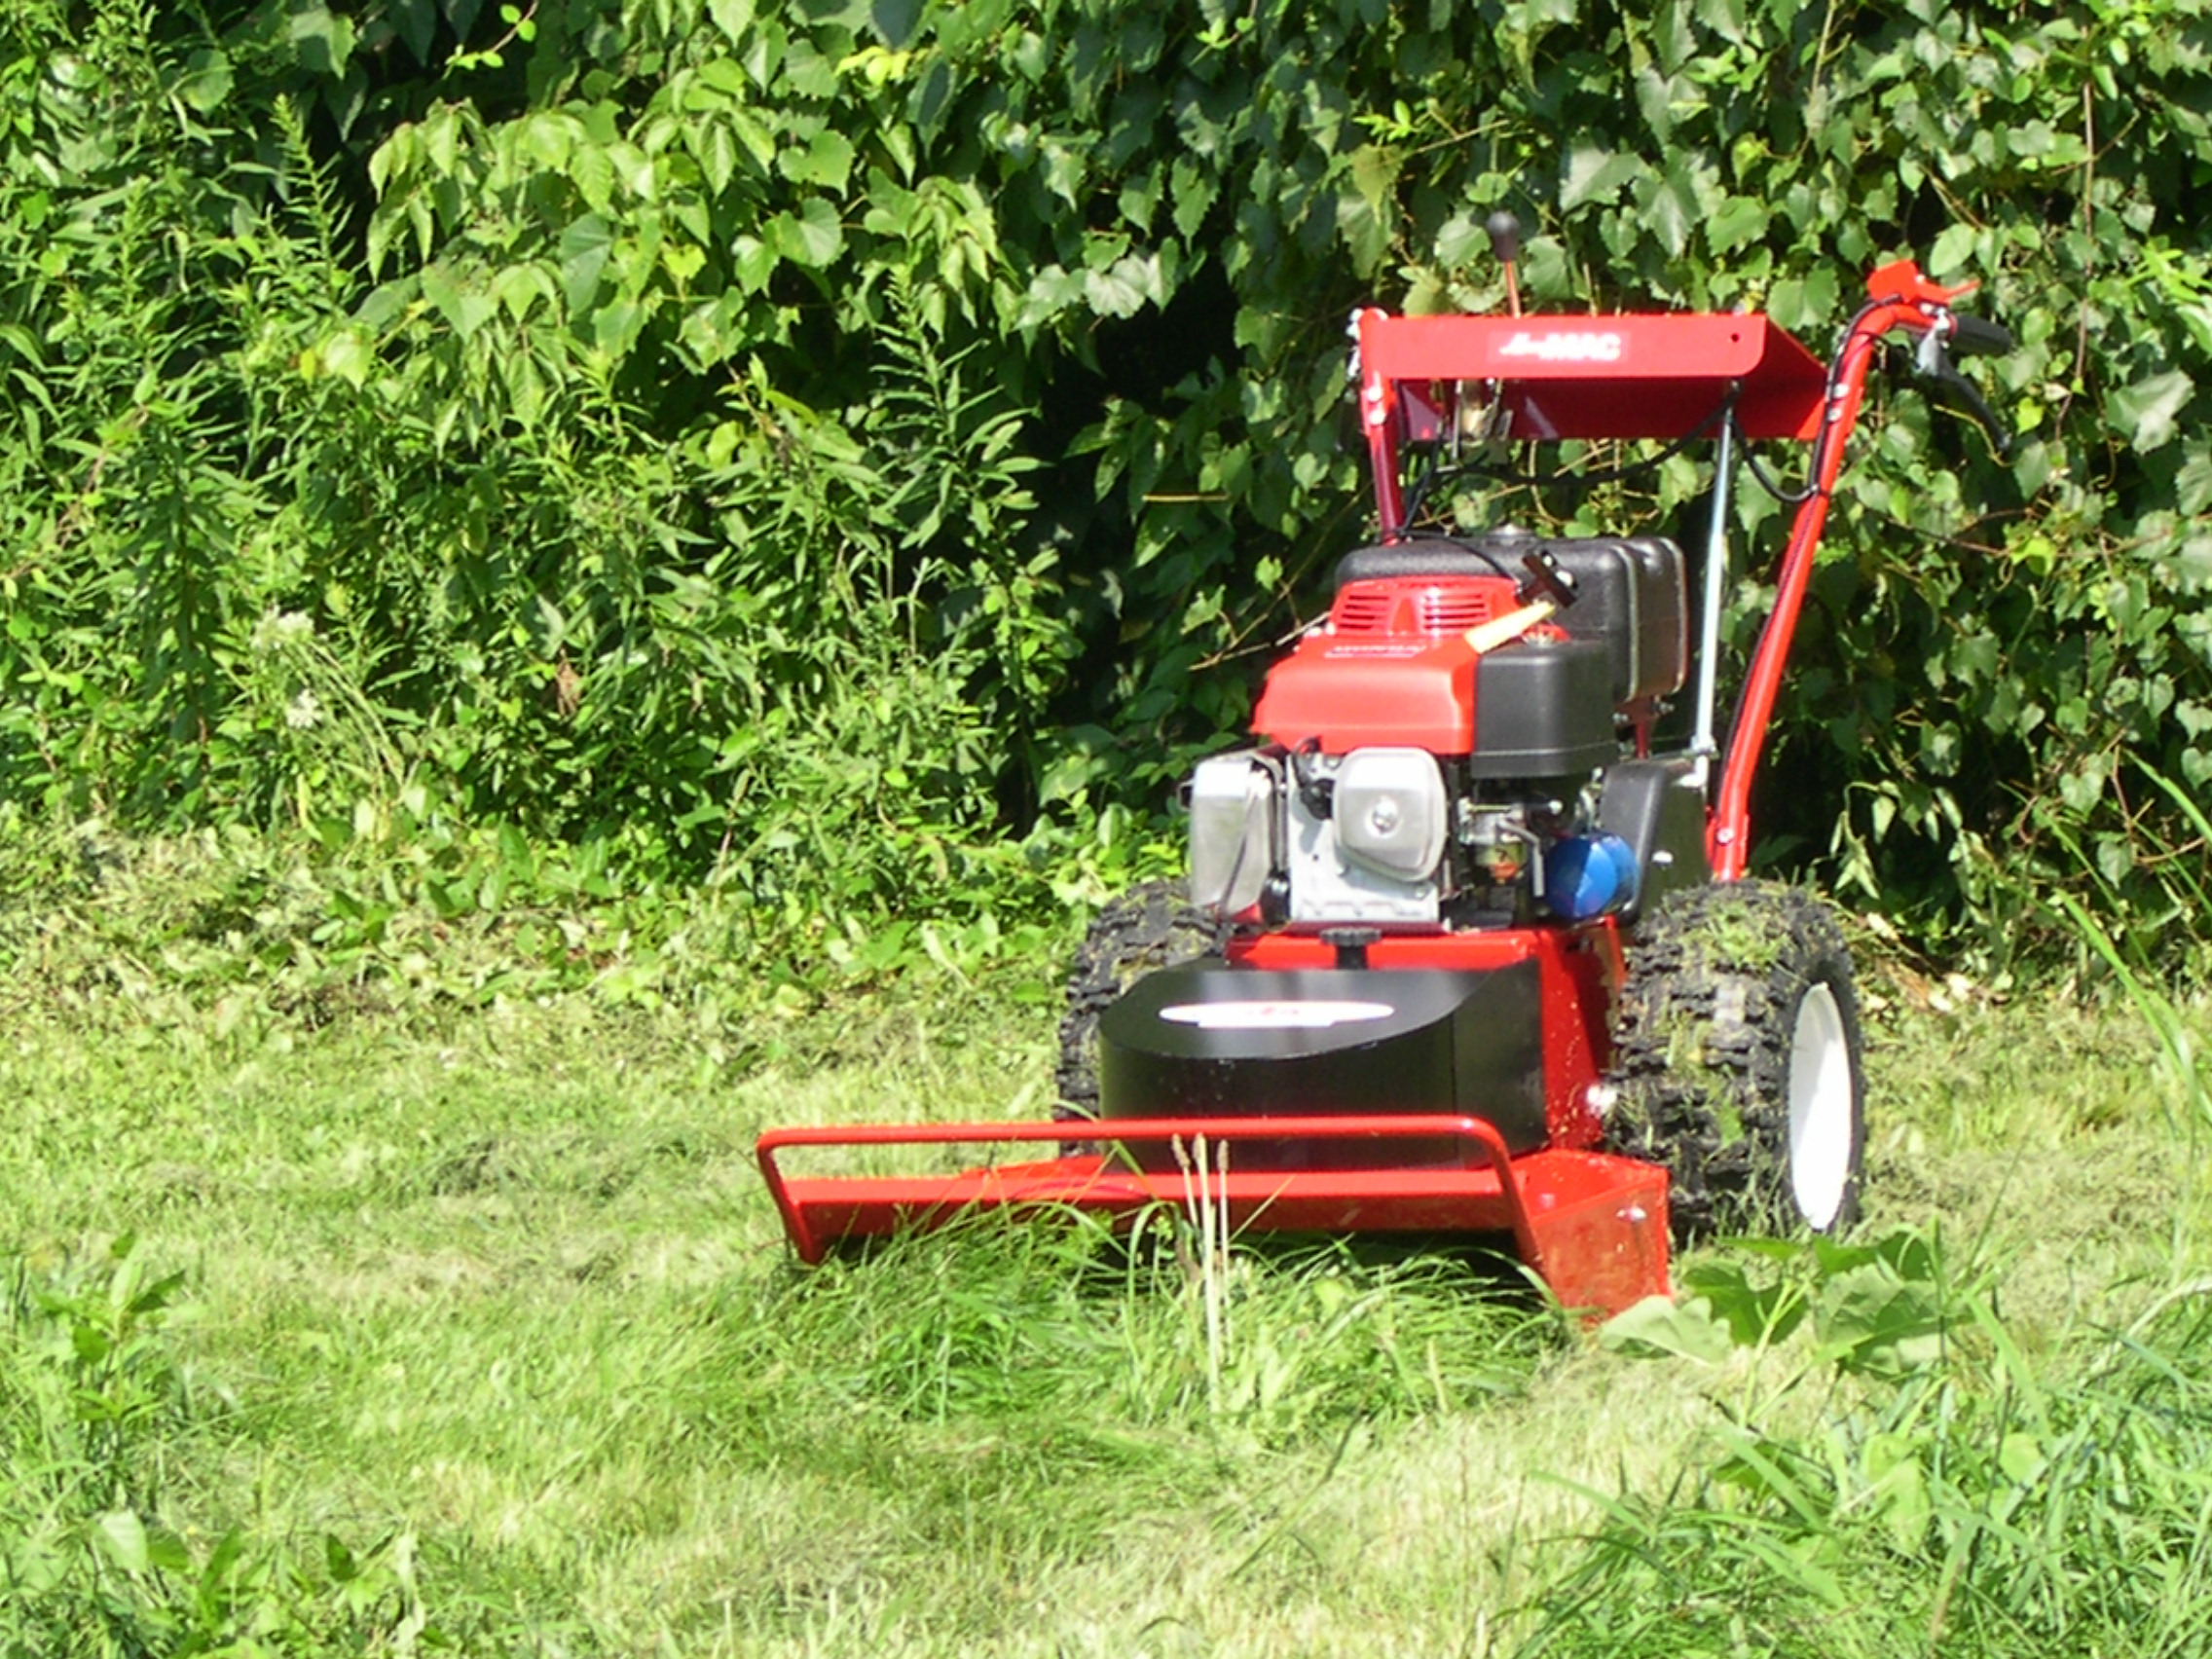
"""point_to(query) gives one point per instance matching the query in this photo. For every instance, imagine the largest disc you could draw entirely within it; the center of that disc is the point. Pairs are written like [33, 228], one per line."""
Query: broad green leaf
[594, 176]
[1740, 222]
[324, 40]
[2147, 412]
[1724, 17]
[753, 260]
[1655, 101]
[1595, 173]
[1460, 239]
[464, 307]
[812, 237]
[346, 353]
[826, 162]
[122, 1536]
[1954, 249]
[206, 81]
[417, 23]
[1122, 288]
[716, 150]
[1667, 207]
[895, 20]
[1375, 175]
[1659, 1325]
[583, 253]
[1195, 191]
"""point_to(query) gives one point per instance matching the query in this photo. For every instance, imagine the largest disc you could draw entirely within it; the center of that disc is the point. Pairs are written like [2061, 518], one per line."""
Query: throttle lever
[1547, 579]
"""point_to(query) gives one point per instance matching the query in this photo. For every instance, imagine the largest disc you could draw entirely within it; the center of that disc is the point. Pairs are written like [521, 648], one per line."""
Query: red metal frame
[1593, 1225]
[1648, 377]
[1899, 297]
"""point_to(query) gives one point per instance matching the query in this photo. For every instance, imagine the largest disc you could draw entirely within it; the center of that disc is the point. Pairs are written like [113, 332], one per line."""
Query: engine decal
[1274, 1016]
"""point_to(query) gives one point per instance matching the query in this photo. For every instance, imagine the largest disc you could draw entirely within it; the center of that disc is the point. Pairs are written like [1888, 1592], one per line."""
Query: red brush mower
[1460, 953]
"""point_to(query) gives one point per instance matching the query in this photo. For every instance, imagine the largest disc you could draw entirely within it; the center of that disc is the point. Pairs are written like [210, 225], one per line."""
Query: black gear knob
[1504, 235]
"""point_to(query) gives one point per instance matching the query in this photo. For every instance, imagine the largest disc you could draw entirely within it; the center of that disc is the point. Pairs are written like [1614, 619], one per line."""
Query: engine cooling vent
[1406, 608]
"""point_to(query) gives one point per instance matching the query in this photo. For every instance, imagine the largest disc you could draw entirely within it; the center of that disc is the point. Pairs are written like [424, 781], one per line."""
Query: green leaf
[1457, 240]
[122, 1536]
[206, 81]
[1595, 173]
[1375, 175]
[416, 22]
[732, 16]
[583, 253]
[593, 174]
[1655, 101]
[1740, 222]
[1953, 250]
[752, 261]
[1724, 17]
[1659, 1325]
[1669, 208]
[812, 237]
[2146, 414]
[324, 41]
[894, 20]
[1193, 190]
[346, 353]
[826, 162]
[465, 309]
[1122, 288]
[714, 148]
[1752, 1313]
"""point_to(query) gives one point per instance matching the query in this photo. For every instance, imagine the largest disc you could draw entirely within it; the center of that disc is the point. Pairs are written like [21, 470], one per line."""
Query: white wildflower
[280, 628]
[304, 711]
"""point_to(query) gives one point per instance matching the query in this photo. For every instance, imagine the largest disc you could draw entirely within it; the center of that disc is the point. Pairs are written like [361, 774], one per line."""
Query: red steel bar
[1070, 1180]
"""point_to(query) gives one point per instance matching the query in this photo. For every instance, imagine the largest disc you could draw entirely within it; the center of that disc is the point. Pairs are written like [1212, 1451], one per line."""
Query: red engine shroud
[1393, 666]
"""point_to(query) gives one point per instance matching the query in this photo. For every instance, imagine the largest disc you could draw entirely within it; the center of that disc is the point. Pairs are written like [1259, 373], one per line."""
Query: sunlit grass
[506, 1285]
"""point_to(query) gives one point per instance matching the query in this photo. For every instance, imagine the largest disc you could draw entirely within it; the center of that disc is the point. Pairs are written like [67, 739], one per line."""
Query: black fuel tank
[1211, 1041]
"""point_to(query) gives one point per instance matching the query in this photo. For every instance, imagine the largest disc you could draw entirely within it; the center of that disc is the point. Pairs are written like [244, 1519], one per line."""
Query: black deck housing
[1311, 1041]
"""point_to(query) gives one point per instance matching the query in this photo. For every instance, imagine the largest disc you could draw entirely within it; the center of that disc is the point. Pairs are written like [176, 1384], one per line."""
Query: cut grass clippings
[479, 1333]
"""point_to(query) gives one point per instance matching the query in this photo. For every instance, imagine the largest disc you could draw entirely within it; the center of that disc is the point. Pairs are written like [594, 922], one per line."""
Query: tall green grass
[1973, 1501]
[486, 1340]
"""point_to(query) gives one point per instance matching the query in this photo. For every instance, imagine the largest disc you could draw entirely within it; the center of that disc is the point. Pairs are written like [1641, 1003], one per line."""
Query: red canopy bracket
[1599, 377]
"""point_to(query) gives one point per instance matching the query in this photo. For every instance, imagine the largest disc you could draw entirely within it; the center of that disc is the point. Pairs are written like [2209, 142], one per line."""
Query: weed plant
[1952, 1496]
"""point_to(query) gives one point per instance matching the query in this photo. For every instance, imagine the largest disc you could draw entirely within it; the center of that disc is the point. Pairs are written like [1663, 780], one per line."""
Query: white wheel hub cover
[1821, 1111]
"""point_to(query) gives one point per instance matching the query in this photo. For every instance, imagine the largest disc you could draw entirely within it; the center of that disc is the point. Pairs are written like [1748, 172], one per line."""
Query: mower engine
[1441, 753]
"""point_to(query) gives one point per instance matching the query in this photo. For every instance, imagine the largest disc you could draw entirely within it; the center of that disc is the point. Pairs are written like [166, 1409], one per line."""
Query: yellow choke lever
[1505, 630]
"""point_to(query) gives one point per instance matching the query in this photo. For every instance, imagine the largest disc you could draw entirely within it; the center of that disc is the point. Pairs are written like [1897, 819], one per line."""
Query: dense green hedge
[809, 441]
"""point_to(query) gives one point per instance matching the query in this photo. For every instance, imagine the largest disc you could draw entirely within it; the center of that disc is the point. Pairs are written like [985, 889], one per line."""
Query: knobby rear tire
[1150, 927]
[1739, 1062]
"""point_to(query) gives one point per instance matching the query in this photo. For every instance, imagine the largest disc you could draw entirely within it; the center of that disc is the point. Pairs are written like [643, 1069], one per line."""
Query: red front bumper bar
[1593, 1225]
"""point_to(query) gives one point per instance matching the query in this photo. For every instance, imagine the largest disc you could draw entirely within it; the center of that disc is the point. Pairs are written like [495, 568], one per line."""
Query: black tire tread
[1151, 926]
[1701, 1049]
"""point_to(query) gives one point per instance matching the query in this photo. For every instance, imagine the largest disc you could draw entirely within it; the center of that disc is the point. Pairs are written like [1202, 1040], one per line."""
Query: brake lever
[1931, 361]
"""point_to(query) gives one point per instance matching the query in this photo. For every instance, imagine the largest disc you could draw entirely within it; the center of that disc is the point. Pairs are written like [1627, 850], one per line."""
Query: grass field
[475, 1332]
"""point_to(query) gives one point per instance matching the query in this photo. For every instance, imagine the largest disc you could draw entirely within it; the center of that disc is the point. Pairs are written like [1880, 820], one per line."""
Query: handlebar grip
[1979, 337]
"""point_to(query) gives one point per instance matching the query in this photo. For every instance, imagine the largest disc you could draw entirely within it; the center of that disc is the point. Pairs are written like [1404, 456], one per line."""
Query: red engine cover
[1392, 666]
